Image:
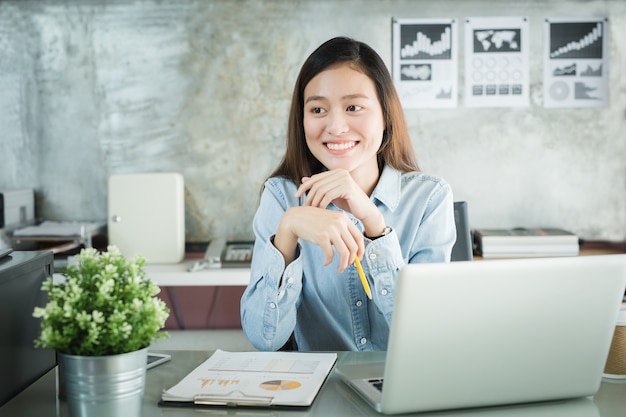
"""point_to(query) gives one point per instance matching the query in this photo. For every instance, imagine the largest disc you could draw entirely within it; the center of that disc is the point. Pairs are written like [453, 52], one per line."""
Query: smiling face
[343, 120]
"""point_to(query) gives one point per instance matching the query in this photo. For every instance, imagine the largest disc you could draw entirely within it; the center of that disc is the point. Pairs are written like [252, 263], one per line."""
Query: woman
[348, 186]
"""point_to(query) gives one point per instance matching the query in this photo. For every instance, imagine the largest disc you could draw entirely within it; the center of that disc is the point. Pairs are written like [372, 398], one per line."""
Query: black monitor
[21, 276]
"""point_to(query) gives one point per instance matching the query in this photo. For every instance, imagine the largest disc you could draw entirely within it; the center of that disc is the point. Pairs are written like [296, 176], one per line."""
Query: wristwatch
[385, 232]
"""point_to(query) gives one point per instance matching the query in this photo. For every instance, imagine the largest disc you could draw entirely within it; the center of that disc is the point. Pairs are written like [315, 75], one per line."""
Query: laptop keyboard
[377, 383]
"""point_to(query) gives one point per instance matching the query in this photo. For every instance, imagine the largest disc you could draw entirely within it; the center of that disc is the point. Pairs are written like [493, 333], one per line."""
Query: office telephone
[225, 254]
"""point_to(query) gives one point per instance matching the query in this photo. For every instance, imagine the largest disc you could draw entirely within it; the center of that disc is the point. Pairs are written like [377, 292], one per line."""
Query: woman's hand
[339, 187]
[325, 228]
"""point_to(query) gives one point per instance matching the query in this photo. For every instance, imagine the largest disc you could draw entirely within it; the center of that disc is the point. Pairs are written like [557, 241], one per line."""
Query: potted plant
[101, 319]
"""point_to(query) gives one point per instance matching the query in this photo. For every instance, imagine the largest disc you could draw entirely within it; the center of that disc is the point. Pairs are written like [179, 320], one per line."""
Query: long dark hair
[396, 149]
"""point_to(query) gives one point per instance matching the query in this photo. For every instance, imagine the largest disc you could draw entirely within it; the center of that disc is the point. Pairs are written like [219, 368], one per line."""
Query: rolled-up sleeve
[269, 303]
[383, 258]
[427, 235]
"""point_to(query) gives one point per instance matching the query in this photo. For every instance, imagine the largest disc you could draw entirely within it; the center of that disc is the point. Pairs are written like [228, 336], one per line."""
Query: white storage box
[146, 215]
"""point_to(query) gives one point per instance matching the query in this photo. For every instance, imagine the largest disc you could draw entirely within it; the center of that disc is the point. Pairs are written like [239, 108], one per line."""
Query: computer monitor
[21, 276]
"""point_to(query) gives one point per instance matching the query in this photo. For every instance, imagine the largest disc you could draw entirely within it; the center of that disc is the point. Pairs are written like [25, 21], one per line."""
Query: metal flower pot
[104, 386]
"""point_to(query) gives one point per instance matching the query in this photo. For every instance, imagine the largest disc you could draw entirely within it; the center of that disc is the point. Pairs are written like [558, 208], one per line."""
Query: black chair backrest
[462, 249]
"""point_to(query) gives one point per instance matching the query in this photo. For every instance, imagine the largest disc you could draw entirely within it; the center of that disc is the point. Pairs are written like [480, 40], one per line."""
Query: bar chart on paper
[576, 40]
[426, 41]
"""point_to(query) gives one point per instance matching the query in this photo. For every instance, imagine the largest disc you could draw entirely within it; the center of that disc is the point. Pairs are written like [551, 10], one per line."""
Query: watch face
[385, 232]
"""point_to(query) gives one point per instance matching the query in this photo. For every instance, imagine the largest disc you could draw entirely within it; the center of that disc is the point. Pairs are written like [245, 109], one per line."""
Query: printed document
[254, 379]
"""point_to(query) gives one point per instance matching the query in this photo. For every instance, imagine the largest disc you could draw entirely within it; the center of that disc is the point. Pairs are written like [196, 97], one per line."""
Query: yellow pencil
[366, 286]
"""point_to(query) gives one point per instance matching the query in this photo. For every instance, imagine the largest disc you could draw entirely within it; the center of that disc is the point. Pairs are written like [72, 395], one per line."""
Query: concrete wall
[202, 87]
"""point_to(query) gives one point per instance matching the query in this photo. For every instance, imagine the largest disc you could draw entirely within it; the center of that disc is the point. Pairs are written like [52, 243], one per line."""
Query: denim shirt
[328, 310]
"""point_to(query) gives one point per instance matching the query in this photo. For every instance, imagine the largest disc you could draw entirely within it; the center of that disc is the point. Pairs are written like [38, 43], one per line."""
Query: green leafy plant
[105, 306]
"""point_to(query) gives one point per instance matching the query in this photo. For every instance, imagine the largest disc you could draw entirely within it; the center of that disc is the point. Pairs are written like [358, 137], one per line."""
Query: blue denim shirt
[327, 310]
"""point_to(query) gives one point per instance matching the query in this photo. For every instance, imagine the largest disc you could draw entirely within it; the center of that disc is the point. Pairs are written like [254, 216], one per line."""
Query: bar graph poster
[575, 71]
[496, 62]
[425, 62]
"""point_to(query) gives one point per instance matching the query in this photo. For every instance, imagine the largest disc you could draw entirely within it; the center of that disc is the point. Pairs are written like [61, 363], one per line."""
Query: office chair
[462, 249]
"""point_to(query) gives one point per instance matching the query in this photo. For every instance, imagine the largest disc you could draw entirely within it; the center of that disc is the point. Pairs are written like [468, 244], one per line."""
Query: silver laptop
[484, 333]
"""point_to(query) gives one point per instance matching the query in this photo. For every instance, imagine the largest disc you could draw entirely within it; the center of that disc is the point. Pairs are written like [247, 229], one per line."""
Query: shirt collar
[387, 190]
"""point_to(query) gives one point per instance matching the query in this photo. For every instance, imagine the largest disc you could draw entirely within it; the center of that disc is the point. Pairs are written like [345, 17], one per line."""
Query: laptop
[486, 333]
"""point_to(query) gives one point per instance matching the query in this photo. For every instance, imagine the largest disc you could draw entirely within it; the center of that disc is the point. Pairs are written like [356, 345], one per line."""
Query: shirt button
[272, 305]
[289, 280]
[359, 303]
[372, 256]
[363, 340]
[384, 291]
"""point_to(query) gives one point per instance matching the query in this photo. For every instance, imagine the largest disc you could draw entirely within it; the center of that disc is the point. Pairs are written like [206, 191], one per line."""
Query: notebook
[473, 334]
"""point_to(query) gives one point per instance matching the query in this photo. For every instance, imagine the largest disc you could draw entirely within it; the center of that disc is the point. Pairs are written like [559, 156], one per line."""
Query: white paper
[576, 62]
[50, 228]
[496, 62]
[425, 62]
[287, 378]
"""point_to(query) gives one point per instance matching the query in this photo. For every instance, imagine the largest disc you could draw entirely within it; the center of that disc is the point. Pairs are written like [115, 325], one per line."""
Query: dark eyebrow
[358, 95]
[313, 98]
[347, 96]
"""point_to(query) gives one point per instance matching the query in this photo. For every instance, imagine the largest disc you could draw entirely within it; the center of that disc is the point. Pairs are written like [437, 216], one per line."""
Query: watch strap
[385, 232]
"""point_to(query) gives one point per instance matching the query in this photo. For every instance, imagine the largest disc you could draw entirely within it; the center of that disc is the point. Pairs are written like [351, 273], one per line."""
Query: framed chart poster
[496, 62]
[575, 70]
[425, 62]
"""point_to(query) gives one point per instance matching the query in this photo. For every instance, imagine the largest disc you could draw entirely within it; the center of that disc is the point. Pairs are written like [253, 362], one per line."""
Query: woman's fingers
[349, 248]
[329, 230]
[321, 189]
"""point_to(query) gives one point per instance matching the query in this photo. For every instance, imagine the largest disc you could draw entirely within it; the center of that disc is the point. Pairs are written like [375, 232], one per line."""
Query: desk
[585, 250]
[335, 399]
[177, 275]
[176, 282]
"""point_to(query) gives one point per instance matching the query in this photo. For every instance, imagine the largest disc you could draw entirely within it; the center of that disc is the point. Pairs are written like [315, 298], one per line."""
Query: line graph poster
[425, 62]
[576, 63]
[496, 62]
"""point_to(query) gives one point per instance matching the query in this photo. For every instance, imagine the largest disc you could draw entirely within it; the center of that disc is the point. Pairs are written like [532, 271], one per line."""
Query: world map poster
[496, 62]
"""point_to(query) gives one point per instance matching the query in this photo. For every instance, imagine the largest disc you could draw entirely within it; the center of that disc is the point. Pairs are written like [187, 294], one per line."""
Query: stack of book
[518, 242]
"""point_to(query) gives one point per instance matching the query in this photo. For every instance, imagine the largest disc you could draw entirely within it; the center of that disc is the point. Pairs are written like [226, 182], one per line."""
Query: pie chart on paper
[280, 385]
